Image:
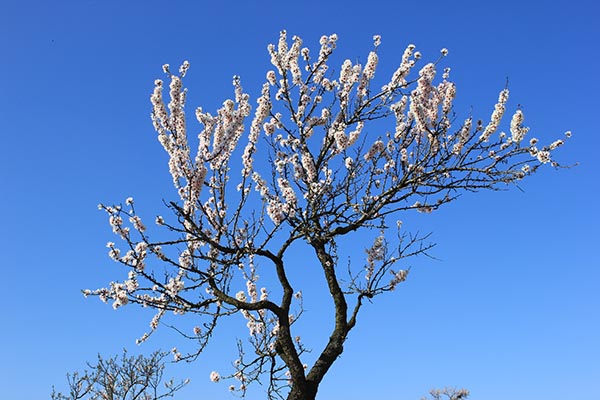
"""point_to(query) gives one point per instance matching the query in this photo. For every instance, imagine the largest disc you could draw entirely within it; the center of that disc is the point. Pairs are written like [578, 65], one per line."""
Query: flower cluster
[499, 109]
[375, 253]
[398, 277]
[516, 127]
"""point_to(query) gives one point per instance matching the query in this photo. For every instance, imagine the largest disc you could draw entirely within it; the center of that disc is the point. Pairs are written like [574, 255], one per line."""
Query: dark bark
[305, 389]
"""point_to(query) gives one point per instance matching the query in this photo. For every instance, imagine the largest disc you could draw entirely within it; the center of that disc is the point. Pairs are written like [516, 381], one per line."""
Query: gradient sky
[510, 309]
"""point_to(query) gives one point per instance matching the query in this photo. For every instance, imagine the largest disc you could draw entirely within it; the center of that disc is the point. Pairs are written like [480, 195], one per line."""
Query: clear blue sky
[510, 311]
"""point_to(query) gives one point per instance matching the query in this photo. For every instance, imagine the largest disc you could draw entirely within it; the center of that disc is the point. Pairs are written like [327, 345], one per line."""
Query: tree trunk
[308, 391]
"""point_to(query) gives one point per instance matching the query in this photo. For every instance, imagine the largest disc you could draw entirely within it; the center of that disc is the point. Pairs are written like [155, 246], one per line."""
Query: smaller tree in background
[448, 393]
[124, 378]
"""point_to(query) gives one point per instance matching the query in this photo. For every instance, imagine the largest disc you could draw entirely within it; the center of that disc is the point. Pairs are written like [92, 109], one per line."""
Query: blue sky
[510, 310]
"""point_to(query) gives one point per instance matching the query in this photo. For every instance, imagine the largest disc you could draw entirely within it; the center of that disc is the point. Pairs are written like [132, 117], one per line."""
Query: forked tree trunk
[305, 388]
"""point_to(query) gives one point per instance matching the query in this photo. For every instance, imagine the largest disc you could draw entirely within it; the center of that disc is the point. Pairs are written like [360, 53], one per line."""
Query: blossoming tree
[326, 156]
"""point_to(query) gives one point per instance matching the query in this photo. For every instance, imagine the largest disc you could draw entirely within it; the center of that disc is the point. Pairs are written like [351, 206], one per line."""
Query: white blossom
[215, 377]
[496, 117]
[516, 129]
